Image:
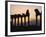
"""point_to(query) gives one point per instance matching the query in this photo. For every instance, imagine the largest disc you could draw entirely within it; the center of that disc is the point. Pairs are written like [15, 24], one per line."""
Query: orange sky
[19, 9]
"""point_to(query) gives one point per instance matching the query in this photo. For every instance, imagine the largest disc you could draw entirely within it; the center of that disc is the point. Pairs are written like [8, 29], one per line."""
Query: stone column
[21, 21]
[11, 20]
[40, 21]
[28, 21]
[36, 20]
[18, 20]
[15, 21]
[24, 20]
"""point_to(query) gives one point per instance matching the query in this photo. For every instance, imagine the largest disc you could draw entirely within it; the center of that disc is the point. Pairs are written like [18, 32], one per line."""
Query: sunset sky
[19, 9]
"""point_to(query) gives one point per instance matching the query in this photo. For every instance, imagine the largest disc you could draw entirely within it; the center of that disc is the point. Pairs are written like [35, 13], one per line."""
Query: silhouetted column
[36, 19]
[21, 21]
[28, 21]
[24, 20]
[18, 21]
[40, 21]
[15, 21]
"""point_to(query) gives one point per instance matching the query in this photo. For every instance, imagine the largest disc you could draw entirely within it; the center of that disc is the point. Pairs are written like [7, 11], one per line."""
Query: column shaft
[24, 21]
[36, 20]
[15, 21]
[21, 21]
[28, 20]
[18, 21]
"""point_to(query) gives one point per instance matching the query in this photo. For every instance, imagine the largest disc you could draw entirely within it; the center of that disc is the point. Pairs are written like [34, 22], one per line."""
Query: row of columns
[37, 20]
[17, 24]
[13, 17]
